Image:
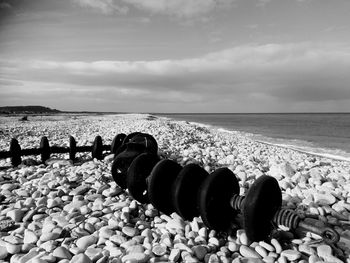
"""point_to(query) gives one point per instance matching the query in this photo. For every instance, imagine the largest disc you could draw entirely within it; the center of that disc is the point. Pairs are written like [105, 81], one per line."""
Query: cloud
[5, 5]
[105, 6]
[179, 8]
[256, 75]
[262, 3]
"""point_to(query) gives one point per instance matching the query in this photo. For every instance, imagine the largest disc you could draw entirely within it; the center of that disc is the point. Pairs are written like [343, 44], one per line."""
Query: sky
[176, 55]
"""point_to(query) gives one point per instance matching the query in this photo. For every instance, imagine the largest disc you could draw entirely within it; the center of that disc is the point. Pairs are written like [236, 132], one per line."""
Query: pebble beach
[74, 212]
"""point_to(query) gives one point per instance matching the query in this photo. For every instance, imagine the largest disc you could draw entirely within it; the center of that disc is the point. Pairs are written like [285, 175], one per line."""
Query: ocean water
[327, 134]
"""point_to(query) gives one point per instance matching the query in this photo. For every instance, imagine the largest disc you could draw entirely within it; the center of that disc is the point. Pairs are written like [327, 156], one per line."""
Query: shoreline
[282, 129]
[104, 222]
[286, 146]
[324, 152]
[321, 155]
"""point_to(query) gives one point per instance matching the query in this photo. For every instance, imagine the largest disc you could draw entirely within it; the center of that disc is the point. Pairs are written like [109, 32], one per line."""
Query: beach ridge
[103, 222]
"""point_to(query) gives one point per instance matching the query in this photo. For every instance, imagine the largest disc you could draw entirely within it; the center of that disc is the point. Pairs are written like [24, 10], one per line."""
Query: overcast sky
[176, 55]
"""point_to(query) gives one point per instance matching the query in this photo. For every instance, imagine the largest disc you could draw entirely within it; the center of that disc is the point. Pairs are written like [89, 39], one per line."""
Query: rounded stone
[267, 246]
[130, 231]
[276, 245]
[16, 215]
[49, 236]
[86, 241]
[13, 249]
[174, 255]
[291, 254]
[159, 249]
[248, 252]
[62, 253]
[3, 252]
[81, 258]
[94, 253]
[233, 246]
[243, 238]
[105, 232]
[136, 257]
[261, 251]
[29, 237]
[28, 257]
[200, 251]
[324, 199]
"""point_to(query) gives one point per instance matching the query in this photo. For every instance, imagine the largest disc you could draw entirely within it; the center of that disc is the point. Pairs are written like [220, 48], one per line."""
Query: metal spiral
[286, 217]
[236, 202]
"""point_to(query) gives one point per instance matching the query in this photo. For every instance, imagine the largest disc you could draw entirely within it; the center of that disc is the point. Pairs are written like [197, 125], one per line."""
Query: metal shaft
[290, 219]
[15, 152]
[312, 225]
[53, 149]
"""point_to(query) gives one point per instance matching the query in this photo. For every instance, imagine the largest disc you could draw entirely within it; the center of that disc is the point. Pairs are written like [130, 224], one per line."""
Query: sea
[324, 134]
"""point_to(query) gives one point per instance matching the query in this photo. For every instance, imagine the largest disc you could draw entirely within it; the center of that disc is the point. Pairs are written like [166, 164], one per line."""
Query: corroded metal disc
[214, 199]
[137, 174]
[117, 142]
[123, 161]
[185, 190]
[160, 183]
[262, 201]
[134, 144]
[147, 140]
[130, 136]
[126, 139]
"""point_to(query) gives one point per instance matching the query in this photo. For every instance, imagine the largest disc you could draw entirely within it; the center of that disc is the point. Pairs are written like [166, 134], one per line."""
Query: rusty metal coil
[237, 202]
[287, 217]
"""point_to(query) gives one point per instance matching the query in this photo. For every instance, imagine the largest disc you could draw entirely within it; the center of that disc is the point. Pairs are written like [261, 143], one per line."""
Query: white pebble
[200, 251]
[324, 199]
[248, 252]
[291, 254]
[130, 231]
[86, 241]
[12, 248]
[62, 253]
[49, 236]
[233, 246]
[174, 255]
[29, 237]
[135, 257]
[324, 250]
[266, 246]
[3, 252]
[261, 251]
[81, 258]
[159, 249]
[16, 215]
[276, 245]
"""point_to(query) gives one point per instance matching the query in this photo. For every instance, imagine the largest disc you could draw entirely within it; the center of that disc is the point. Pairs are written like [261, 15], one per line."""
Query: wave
[334, 154]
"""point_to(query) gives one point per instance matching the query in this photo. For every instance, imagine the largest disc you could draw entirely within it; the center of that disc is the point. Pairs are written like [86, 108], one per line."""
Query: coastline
[321, 155]
[318, 133]
[310, 151]
[66, 192]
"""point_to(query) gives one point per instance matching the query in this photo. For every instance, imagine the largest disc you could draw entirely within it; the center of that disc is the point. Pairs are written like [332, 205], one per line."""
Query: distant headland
[27, 110]
[42, 110]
